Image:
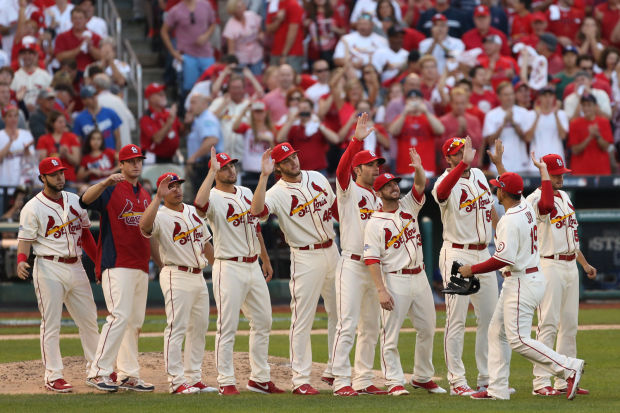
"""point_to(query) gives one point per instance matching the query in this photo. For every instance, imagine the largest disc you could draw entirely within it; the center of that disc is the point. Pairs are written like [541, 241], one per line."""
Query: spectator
[16, 203]
[293, 97]
[305, 131]
[159, 126]
[8, 18]
[539, 26]
[325, 26]
[371, 7]
[29, 75]
[465, 85]
[390, 61]
[107, 99]
[482, 22]
[244, 36]
[378, 140]
[45, 105]
[589, 140]
[440, 45]
[416, 127]
[429, 85]
[93, 23]
[607, 13]
[321, 72]
[582, 87]
[58, 16]
[589, 38]
[98, 162]
[95, 117]
[459, 123]
[276, 99]
[482, 96]
[546, 46]
[353, 93]
[567, 75]
[372, 84]
[564, 21]
[509, 123]
[385, 16]
[458, 21]
[499, 19]
[521, 20]
[5, 101]
[608, 62]
[15, 148]
[118, 70]
[62, 144]
[501, 68]
[284, 22]
[550, 126]
[79, 43]
[396, 105]
[64, 101]
[356, 48]
[523, 95]
[193, 22]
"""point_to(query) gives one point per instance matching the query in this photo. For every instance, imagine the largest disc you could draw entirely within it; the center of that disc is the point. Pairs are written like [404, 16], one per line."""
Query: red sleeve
[574, 132]
[445, 187]
[492, 264]
[334, 210]
[418, 197]
[60, 45]
[370, 262]
[343, 172]
[258, 229]
[545, 204]
[243, 128]
[294, 13]
[88, 244]
[264, 212]
[42, 143]
[96, 39]
[605, 129]
[202, 208]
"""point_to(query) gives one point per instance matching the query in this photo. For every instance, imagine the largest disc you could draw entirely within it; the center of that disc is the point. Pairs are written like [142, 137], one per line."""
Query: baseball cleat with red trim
[546, 391]
[136, 384]
[511, 390]
[328, 380]
[114, 376]
[373, 390]
[103, 383]
[59, 386]
[203, 388]
[463, 390]
[185, 389]
[229, 390]
[266, 388]
[572, 383]
[482, 395]
[346, 391]
[429, 386]
[398, 390]
[579, 391]
[305, 390]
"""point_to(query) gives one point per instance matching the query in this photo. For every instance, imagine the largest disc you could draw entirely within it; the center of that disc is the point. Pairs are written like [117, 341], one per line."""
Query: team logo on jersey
[479, 202]
[59, 230]
[314, 205]
[128, 215]
[365, 213]
[559, 221]
[236, 219]
[247, 201]
[405, 235]
[184, 237]
[500, 247]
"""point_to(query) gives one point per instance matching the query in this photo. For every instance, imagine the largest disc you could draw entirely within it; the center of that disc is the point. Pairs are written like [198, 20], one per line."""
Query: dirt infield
[26, 377]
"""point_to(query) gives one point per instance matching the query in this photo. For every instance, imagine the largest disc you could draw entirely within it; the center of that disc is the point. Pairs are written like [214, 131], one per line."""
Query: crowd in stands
[244, 75]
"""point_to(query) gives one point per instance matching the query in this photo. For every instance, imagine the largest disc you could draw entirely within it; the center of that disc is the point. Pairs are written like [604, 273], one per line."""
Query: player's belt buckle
[189, 269]
[244, 259]
[410, 271]
[356, 257]
[527, 271]
[68, 260]
[561, 257]
[325, 244]
[476, 247]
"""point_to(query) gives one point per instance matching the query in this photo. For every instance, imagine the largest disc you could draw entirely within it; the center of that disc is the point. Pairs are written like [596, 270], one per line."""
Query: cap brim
[454, 151]
[231, 160]
[284, 157]
[131, 157]
[561, 171]
[376, 158]
[59, 168]
[495, 183]
[396, 178]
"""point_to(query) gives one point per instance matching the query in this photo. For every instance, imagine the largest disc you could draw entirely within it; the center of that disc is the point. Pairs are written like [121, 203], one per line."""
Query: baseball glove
[459, 285]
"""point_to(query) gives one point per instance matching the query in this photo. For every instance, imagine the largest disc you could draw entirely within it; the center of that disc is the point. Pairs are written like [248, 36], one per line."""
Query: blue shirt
[107, 122]
[206, 124]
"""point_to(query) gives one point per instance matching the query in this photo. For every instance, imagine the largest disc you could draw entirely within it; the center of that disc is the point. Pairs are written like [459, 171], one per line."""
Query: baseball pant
[312, 275]
[412, 297]
[55, 283]
[456, 315]
[358, 308]
[511, 327]
[124, 290]
[241, 286]
[187, 312]
[558, 314]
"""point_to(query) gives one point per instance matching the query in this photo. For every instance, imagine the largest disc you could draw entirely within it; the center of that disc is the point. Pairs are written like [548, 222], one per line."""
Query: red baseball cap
[520, 84]
[153, 88]
[224, 159]
[555, 164]
[365, 157]
[452, 146]
[482, 10]
[438, 17]
[282, 151]
[538, 17]
[384, 179]
[129, 152]
[509, 182]
[175, 178]
[7, 108]
[50, 165]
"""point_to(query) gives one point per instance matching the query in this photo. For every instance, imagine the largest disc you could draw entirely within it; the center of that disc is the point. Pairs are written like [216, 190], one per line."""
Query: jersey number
[534, 237]
[488, 215]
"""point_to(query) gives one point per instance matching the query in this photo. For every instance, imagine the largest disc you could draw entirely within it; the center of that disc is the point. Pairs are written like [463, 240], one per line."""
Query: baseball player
[468, 218]
[393, 254]
[559, 248]
[184, 246]
[56, 227]
[355, 293]
[123, 259]
[523, 288]
[238, 282]
[304, 203]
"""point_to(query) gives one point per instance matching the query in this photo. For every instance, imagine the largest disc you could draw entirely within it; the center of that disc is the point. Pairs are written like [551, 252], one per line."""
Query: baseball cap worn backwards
[509, 182]
[50, 165]
[383, 179]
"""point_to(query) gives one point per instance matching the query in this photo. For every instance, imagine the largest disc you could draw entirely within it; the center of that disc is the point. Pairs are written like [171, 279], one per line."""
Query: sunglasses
[192, 17]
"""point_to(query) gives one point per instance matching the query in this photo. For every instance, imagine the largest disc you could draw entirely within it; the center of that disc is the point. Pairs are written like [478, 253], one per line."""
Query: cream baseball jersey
[558, 229]
[517, 238]
[356, 205]
[56, 229]
[303, 209]
[181, 235]
[466, 214]
[234, 227]
[393, 238]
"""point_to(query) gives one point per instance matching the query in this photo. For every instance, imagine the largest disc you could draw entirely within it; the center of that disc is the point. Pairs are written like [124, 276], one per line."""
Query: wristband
[21, 257]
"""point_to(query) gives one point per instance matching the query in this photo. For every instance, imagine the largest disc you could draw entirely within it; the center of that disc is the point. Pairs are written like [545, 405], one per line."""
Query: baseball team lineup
[369, 286]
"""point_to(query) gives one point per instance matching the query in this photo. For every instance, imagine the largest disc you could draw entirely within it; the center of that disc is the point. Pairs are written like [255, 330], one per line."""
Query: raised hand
[496, 157]
[162, 189]
[267, 163]
[114, 179]
[468, 152]
[361, 129]
[416, 160]
[215, 164]
[539, 164]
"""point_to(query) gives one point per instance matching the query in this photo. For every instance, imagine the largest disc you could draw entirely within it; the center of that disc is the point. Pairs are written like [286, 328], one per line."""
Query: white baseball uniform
[56, 235]
[522, 292]
[182, 236]
[238, 283]
[467, 231]
[559, 308]
[356, 293]
[305, 218]
[393, 240]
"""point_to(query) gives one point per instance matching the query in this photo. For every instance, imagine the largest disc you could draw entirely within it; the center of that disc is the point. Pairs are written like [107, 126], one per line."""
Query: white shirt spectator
[370, 7]
[361, 48]
[98, 25]
[453, 44]
[34, 82]
[11, 165]
[62, 19]
[4, 59]
[233, 142]
[386, 55]
[106, 99]
[602, 101]
[122, 67]
[315, 92]
[8, 18]
[547, 137]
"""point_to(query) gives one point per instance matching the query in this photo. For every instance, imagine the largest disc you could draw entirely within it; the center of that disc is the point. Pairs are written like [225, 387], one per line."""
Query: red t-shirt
[472, 39]
[521, 26]
[104, 161]
[484, 101]
[500, 72]
[568, 24]
[417, 133]
[150, 123]
[48, 144]
[593, 160]
[312, 150]
[412, 39]
[69, 41]
[294, 14]
[609, 21]
[597, 83]
[332, 117]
